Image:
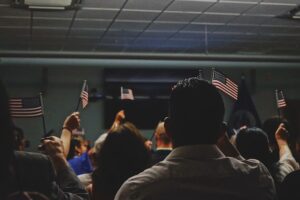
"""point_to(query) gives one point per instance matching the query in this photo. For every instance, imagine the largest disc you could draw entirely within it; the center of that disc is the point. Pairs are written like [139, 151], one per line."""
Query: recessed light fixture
[46, 4]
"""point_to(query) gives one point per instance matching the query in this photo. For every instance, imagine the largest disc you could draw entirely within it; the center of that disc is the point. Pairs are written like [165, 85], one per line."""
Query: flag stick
[278, 109]
[121, 92]
[78, 104]
[151, 138]
[79, 100]
[43, 116]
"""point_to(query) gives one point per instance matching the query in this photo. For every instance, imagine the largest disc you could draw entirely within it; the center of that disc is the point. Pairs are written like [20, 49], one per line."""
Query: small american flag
[224, 84]
[281, 103]
[84, 95]
[126, 94]
[25, 107]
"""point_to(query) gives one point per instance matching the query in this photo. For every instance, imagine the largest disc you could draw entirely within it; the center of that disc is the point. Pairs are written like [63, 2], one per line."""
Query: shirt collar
[196, 152]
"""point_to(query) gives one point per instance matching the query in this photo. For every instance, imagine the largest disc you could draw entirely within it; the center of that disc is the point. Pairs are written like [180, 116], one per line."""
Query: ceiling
[208, 27]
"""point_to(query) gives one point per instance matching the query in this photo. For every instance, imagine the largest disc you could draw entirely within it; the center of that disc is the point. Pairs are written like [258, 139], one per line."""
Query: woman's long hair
[6, 142]
[122, 155]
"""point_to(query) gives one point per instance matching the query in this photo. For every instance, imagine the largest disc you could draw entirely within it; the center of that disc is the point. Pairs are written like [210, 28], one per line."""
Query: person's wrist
[59, 161]
[67, 128]
[282, 143]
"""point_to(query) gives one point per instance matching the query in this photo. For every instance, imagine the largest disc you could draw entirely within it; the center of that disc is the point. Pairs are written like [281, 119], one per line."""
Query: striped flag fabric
[126, 94]
[280, 100]
[224, 84]
[25, 107]
[84, 95]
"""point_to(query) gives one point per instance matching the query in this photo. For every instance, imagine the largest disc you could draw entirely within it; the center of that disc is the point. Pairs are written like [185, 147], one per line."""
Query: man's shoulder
[33, 157]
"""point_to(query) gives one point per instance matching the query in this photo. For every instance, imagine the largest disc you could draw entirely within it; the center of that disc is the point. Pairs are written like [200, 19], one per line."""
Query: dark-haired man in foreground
[197, 168]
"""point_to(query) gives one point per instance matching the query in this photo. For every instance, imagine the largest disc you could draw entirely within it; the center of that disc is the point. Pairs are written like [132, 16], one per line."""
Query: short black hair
[271, 125]
[196, 112]
[254, 143]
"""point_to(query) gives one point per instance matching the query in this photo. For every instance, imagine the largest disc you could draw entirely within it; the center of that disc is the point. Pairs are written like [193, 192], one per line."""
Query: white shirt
[285, 165]
[200, 172]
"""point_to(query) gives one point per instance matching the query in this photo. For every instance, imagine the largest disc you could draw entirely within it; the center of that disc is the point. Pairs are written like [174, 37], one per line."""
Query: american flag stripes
[126, 94]
[84, 95]
[280, 100]
[25, 107]
[224, 84]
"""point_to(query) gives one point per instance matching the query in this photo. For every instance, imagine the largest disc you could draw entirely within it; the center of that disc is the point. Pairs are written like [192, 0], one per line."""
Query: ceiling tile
[109, 48]
[7, 11]
[128, 26]
[236, 29]
[189, 35]
[122, 33]
[51, 23]
[269, 9]
[282, 1]
[253, 20]
[165, 26]
[46, 46]
[176, 17]
[195, 27]
[14, 22]
[86, 32]
[282, 22]
[117, 40]
[97, 14]
[157, 34]
[103, 3]
[229, 8]
[137, 15]
[14, 32]
[99, 24]
[147, 5]
[54, 32]
[213, 18]
[189, 6]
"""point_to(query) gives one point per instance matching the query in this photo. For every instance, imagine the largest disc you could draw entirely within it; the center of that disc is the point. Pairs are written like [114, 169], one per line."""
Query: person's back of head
[289, 188]
[196, 112]
[161, 137]
[122, 155]
[270, 126]
[253, 143]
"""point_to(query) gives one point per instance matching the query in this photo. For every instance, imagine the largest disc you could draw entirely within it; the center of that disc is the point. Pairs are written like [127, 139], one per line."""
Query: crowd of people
[193, 156]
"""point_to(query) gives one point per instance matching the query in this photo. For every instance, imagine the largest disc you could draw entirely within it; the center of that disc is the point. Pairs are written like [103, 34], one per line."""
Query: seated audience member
[20, 143]
[196, 168]
[163, 144]
[289, 188]
[238, 120]
[122, 155]
[254, 143]
[78, 146]
[75, 147]
[22, 172]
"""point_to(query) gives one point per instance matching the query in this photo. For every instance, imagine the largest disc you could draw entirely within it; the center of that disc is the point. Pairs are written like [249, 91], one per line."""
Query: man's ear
[167, 125]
